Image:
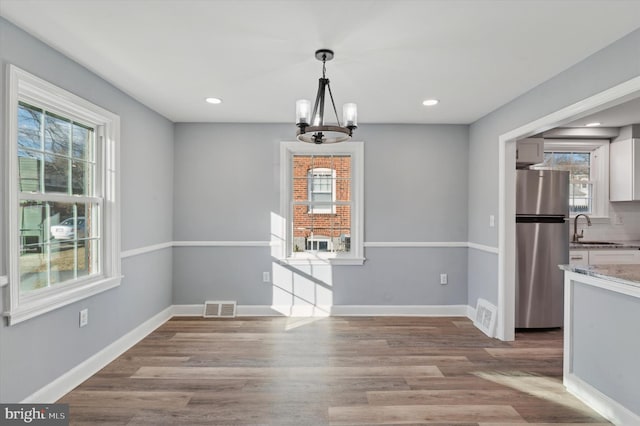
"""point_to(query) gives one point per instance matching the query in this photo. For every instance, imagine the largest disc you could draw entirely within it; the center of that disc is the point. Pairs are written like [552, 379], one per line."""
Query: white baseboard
[241, 311]
[188, 310]
[337, 310]
[601, 403]
[401, 310]
[471, 312]
[78, 374]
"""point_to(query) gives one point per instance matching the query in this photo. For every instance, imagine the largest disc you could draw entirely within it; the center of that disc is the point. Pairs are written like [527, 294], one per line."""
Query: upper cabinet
[624, 168]
[529, 151]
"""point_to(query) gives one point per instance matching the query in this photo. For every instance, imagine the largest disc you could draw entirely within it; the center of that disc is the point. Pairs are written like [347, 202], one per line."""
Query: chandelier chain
[324, 65]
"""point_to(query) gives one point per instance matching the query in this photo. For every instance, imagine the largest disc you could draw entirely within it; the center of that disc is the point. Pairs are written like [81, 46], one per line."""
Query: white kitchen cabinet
[624, 170]
[617, 256]
[529, 151]
[604, 257]
[579, 257]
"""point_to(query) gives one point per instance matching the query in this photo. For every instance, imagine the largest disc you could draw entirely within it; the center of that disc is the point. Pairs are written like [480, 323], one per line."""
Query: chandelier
[311, 125]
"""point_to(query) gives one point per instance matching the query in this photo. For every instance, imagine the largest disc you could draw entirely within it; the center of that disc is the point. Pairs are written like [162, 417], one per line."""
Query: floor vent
[485, 318]
[219, 309]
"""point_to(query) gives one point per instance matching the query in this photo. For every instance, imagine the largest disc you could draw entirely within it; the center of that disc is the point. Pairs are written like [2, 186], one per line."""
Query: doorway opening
[616, 95]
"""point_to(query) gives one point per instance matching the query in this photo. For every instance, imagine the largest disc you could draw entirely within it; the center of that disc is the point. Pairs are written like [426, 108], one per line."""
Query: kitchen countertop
[617, 246]
[623, 274]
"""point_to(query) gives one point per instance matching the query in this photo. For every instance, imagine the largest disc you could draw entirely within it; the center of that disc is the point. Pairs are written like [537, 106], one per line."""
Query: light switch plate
[84, 317]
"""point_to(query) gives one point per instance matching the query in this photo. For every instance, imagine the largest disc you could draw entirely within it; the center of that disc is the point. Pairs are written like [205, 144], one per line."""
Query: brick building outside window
[321, 203]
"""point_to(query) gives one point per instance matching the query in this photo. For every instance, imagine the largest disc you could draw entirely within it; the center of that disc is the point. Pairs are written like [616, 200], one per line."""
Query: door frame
[616, 95]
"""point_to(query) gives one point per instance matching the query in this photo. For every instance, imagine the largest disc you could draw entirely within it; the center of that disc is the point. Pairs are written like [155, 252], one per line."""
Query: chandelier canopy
[311, 125]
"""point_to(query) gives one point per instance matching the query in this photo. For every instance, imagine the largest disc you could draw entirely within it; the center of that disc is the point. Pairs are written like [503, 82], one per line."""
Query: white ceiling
[617, 116]
[258, 55]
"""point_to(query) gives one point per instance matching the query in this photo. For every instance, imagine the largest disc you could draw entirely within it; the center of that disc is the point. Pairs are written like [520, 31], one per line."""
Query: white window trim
[322, 239]
[23, 86]
[325, 171]
[356, 151]
[599, 169]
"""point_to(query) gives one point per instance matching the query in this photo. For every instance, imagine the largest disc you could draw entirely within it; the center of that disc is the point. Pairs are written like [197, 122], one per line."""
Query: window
[578, 164]
[587, 163]
[321, 183]
[63, 223]
[322, 192]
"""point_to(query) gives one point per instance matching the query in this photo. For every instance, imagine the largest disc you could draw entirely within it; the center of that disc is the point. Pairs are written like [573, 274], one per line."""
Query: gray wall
[613, 65]
[227, 187]
[605, 343]
[37, 351]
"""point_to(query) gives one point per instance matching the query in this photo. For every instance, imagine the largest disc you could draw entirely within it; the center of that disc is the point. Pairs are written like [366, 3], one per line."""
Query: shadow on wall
[302, 290]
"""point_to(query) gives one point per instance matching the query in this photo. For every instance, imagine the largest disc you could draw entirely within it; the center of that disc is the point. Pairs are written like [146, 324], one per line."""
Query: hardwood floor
[331, 371]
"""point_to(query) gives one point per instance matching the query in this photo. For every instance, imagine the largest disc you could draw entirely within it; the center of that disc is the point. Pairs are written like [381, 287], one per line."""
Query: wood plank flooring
[331, 371]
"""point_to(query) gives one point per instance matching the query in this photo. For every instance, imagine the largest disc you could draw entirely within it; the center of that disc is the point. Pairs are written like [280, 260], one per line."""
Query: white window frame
[324, 171]
[284, 250]
[316, 240]
[25, 87]
[599, 149]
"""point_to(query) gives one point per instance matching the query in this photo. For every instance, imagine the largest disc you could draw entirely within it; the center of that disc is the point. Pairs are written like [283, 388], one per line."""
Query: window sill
[38, 306]
[314, 260]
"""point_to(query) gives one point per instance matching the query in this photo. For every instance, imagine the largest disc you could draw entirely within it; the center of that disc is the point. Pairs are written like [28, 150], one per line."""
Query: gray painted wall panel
[616, 64]
[605, 343]
[226, 180]
[221, 273]
[390, 276]
[227, 187]
[404, 276]
[415, 182]
[38, 350]
[482, 268]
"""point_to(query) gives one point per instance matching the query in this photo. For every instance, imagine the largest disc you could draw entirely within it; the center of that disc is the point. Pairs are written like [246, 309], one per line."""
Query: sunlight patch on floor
[295, 322]
[544, 388]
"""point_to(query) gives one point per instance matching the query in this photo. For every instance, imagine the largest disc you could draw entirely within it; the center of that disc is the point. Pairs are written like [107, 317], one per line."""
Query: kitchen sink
[598, 243]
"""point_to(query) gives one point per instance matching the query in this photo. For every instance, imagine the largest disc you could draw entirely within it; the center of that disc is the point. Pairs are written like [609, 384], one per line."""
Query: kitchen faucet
[576, 237]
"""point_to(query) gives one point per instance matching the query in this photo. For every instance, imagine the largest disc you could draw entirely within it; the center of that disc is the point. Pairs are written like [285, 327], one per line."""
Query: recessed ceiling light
[214, 100]
[594, 124]
[430, 102]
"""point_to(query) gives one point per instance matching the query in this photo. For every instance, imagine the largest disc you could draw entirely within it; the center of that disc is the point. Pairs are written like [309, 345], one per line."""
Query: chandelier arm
[335, 111]
[319, 95]
[323, 84]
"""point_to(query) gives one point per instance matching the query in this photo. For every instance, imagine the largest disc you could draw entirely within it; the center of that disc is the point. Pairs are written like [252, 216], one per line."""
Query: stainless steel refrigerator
[542, 243]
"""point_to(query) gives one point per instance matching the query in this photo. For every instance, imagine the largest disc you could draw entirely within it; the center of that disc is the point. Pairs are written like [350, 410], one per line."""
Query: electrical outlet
[266, 277]
[492, 221]
[443, 279]
[84, 317]
[617, 219]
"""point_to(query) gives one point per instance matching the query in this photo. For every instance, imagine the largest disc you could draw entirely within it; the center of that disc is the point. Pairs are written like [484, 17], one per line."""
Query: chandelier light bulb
[303, 111]
[350, 115]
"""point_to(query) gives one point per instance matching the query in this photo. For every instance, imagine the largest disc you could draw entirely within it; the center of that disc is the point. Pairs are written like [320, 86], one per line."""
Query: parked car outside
[65, 230]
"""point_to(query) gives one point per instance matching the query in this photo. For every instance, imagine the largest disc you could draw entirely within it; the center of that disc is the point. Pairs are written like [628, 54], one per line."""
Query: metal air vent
[485, 318]
[219, 309]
